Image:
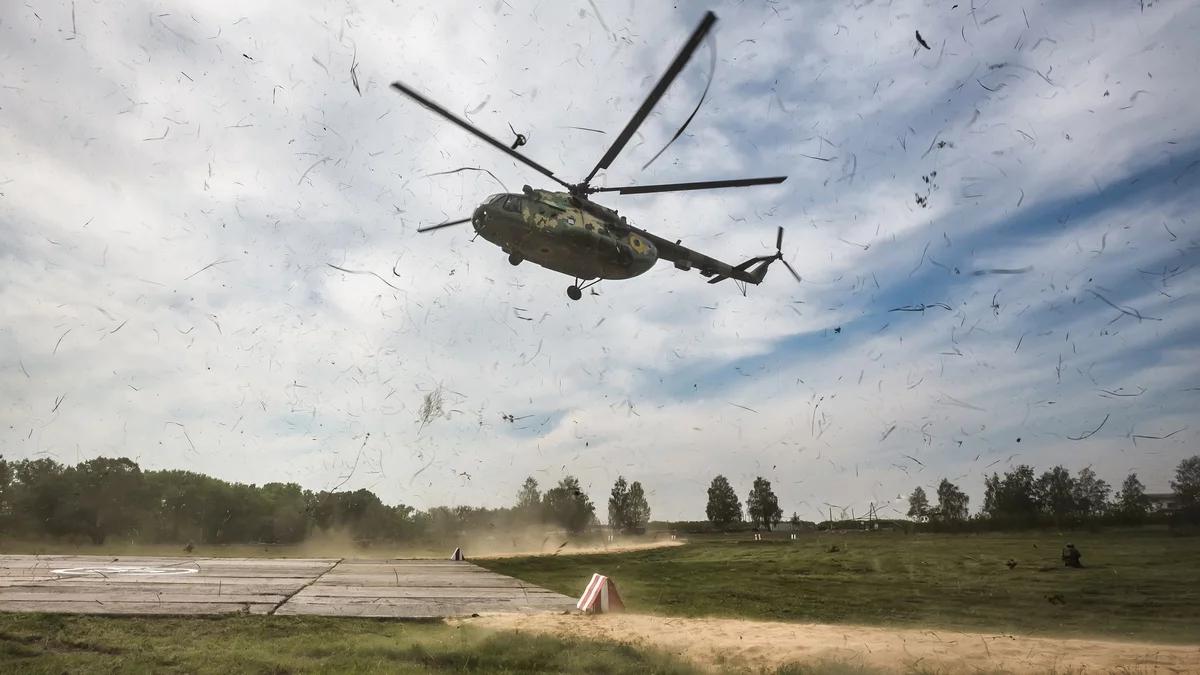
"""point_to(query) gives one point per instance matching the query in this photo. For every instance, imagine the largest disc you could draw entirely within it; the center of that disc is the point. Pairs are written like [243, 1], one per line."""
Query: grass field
[1139, 585]
[274, 644]
[1142, 585]
[56, 644]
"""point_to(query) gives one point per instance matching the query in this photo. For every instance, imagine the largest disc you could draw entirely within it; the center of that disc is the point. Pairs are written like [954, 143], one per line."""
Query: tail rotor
[760, 272]
[744, 273]
[779, 255]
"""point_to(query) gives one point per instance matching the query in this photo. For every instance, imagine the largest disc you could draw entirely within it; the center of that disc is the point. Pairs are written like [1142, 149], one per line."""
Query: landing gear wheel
[574, 293]
[514, 259]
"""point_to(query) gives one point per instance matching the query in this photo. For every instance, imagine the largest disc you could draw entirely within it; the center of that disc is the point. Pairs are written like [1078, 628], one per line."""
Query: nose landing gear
[514, 259]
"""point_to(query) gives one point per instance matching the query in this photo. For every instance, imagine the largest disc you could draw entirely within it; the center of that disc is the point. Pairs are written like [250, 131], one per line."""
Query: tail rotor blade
[431, 228]
[779, 240]
[789, 268]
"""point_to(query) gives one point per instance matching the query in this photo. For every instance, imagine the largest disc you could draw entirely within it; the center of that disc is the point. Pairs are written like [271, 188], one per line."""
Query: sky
[997, 238]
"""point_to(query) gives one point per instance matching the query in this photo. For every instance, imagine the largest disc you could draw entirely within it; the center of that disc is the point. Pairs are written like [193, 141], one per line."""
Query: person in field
[1071, 556]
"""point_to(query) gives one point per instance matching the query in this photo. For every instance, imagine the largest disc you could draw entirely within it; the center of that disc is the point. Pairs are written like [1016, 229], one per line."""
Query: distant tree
[1187, 482]
[991, 495]
[762, 506]
[107, 498]
[41, 499]
[442, 521]
[1013, 498]
[1056, 494]
[6, 483]
[952, 502]
[529, 500]
[285, 520]
[1132, 503]
[618, 504]
[723, 508]
[191, 506]
[918, 504]
[1090, 494]
[637, 509]
[568, 506]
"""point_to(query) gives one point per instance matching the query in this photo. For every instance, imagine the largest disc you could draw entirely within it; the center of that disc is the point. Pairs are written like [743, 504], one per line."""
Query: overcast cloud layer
[177, 178]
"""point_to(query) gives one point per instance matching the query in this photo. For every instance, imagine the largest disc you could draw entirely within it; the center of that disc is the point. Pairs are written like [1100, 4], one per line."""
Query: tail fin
[739, 271]
[759, 273]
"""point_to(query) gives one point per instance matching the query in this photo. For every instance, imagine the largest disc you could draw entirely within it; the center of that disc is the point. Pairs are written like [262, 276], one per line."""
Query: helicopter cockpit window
[512, 203]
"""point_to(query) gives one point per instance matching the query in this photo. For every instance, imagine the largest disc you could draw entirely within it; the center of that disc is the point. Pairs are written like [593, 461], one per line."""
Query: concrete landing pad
[311, 586]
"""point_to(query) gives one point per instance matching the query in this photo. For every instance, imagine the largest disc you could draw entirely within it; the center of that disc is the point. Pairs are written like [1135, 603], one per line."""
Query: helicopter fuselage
[562, 233]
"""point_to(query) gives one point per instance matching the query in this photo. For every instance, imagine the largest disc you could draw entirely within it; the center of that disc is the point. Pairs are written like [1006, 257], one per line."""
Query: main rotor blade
[431, 228]
[470, 128]
[677, 65]
[702, 185]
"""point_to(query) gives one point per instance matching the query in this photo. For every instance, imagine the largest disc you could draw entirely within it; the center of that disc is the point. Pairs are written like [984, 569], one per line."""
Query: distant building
[1163, 502]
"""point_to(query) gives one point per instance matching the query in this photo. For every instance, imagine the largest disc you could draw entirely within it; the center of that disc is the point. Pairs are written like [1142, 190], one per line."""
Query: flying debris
[569, 233]
[519, 140]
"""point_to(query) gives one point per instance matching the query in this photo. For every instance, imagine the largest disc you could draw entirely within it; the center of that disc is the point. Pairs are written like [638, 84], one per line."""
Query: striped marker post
[600, 597]
[457, 555]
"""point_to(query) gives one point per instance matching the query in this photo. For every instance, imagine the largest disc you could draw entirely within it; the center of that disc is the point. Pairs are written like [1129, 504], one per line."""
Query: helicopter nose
[479, 218]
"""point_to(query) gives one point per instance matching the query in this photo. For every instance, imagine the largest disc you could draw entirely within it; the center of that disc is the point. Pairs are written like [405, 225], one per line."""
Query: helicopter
[569, 233]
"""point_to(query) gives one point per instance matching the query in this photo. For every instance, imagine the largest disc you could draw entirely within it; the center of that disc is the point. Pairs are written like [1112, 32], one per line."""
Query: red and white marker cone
[600, 596]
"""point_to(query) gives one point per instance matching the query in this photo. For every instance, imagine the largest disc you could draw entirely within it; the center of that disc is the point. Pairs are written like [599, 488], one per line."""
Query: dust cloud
[341, 543]
[491, 543]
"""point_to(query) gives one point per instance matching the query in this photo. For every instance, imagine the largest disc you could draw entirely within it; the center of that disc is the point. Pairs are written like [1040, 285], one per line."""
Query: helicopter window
[513, 203]
[588, 226]
[570, 220]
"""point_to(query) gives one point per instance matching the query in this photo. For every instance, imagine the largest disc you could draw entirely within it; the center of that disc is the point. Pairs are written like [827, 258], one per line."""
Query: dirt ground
[573, 549]
[726, 643]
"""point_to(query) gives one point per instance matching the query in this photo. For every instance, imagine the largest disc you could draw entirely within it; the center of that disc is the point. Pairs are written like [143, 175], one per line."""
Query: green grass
[48, 643]
[1141, 585]
[36, 643]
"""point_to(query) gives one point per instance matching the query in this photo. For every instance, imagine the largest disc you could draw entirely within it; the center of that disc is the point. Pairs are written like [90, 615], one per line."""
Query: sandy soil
[739, 644]
[572, 549]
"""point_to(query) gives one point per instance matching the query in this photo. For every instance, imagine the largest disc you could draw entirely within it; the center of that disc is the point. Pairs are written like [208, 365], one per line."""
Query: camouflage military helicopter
[569, 233]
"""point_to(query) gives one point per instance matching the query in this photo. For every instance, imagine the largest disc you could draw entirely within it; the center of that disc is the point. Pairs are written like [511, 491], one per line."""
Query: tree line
[1017, 499]
[106, 498]
[1021, 498]
[103, 497]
